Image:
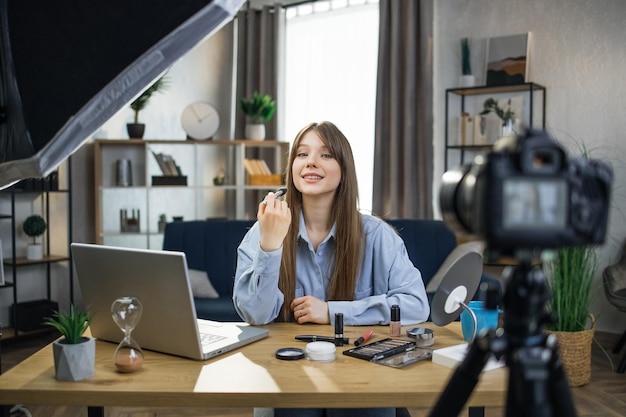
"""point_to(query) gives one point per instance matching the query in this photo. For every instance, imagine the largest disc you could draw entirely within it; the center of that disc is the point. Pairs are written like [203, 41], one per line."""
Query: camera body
[528, 194]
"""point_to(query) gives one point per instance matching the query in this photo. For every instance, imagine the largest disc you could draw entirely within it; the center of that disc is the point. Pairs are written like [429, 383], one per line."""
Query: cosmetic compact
[289, 354]
[423, 337]
[320, 351]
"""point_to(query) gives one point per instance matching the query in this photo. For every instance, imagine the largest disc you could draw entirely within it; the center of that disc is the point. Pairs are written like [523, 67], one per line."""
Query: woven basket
[575, 352]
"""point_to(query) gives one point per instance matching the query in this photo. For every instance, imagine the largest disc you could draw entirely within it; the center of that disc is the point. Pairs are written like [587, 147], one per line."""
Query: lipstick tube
[339, 329]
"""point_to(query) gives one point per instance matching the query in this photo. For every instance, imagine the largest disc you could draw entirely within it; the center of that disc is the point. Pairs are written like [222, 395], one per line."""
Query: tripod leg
[463, 380]
[538, 386]
[560, 393]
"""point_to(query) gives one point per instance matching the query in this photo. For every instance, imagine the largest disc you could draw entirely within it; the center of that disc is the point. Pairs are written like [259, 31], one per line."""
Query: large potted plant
[74, 353]
[259, 109]
[34, 226]
[570, 276]
[136, 129]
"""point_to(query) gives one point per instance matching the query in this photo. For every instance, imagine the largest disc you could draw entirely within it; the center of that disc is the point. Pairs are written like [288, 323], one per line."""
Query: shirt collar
[304, 235]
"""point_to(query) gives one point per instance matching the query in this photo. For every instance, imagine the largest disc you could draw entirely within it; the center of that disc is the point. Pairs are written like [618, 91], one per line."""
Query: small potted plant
[259, 109]
[34, 226]
[136, 129]
[162, 222]
[74, 353]
[467, 78]
[504, 116]
[492, 105]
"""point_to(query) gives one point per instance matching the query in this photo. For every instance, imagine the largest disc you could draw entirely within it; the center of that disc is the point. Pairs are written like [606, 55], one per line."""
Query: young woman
[314, 255]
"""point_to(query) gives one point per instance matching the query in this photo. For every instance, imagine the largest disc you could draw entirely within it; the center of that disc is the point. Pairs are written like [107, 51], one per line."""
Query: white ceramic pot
[467, 81]
[34, 252]
[255, 131]
[74, 362]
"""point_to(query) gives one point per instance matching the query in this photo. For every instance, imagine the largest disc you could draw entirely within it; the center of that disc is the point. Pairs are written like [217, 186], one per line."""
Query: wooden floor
[605, 396]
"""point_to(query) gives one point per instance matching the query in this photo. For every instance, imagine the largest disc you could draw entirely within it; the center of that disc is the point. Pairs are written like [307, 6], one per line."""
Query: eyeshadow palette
[381, 349]
[396, 353]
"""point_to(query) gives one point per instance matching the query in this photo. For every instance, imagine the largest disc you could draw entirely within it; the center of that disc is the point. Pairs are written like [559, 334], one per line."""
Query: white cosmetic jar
[320, 351]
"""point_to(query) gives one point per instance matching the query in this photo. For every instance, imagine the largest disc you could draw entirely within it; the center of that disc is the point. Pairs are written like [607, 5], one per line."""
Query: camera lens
[456, 198]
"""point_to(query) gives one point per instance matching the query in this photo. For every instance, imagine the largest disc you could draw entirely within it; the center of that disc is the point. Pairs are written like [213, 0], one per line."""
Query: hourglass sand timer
[126, 313]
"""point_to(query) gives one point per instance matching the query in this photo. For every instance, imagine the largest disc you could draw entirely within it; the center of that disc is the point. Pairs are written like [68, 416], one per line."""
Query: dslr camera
[527, 194]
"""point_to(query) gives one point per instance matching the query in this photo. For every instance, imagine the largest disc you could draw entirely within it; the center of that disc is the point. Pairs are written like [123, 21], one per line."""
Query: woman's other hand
[309, 309]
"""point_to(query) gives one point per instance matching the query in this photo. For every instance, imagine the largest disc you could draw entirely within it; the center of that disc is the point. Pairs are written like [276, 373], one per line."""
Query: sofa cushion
[201, 286]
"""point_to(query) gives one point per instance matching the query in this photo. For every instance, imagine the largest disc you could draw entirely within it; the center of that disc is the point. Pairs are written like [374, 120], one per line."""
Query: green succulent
[260, 108]
[72, 326]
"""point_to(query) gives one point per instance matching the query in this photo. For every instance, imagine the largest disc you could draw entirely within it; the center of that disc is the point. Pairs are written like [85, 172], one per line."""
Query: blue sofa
[211, 246]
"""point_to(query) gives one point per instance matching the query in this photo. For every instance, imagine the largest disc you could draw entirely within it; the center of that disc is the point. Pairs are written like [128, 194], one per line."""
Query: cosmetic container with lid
[394, 325]
[320, 351]
[423, 337]
[339, 329]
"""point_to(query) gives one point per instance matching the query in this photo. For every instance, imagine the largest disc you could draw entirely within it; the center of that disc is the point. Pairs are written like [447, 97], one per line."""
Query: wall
[577, 52]
[205, 74]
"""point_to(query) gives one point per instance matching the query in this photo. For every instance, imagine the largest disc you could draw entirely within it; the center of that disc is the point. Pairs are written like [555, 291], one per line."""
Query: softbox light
[67, 66]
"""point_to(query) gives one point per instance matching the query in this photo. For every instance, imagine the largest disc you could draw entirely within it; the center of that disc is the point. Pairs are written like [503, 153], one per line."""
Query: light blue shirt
[387, 277]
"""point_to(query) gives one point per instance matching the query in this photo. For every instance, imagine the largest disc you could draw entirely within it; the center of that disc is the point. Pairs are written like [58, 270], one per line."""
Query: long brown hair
[346, 217]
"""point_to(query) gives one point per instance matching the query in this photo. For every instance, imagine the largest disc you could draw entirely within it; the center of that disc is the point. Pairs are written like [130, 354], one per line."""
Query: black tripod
[537, 384]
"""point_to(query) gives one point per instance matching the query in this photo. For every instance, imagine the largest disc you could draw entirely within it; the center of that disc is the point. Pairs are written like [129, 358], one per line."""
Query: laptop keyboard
[207, 338]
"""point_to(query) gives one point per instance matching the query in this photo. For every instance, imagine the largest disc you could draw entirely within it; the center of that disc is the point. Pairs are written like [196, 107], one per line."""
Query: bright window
[331, 63]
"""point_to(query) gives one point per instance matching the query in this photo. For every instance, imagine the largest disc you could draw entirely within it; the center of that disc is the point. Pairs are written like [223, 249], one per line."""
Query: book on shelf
[167, 164]
[256, 167]
[259, 173]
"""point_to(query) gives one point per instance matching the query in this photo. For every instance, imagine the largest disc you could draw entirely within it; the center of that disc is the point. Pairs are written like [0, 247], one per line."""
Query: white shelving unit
[199, 199]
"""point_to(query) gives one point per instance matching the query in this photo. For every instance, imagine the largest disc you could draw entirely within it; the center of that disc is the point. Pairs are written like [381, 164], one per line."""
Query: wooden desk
[251, 377]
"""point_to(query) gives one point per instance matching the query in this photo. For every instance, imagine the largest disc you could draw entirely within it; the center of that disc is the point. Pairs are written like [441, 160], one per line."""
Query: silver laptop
[160, 280]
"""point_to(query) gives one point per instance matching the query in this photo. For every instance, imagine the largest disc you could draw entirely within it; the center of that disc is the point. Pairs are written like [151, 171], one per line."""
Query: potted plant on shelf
[259, 109]
[34, 226]
[162, 222]
[496, 121]
[570, 276]
[136, 129]
[74, 353]
[467, 79]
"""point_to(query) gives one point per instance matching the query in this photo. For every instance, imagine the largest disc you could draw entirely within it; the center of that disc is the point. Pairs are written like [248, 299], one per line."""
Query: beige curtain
[403, 167]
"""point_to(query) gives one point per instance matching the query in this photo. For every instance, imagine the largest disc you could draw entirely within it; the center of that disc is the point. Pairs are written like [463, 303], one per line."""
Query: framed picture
[507, 60]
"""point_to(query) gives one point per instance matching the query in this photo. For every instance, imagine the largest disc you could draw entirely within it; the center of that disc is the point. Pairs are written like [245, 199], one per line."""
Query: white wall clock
[200, 120]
